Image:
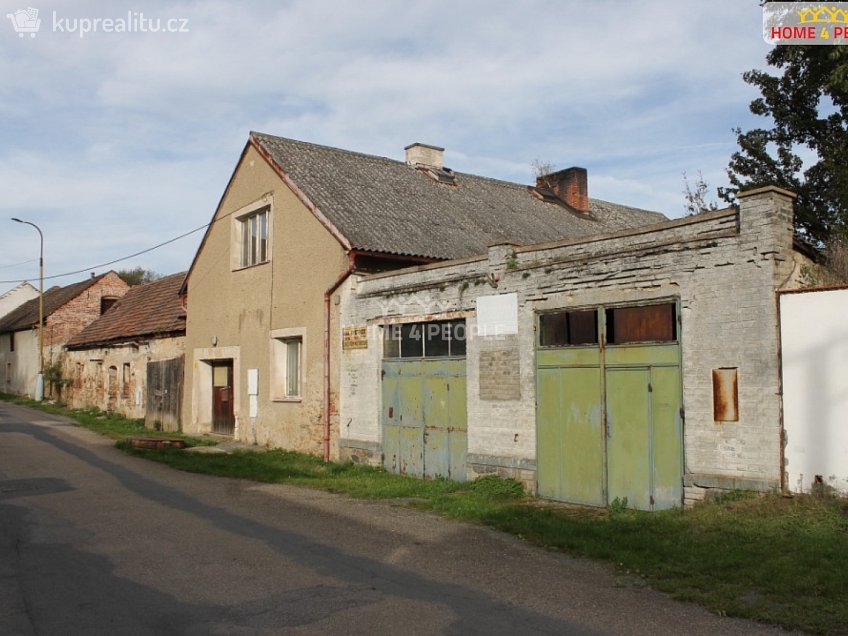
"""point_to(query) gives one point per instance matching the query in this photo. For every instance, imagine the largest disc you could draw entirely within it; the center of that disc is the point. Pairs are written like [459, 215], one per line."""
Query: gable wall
[240, 308]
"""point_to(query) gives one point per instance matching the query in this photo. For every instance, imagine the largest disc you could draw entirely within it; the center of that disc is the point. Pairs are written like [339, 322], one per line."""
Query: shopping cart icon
[25, 21]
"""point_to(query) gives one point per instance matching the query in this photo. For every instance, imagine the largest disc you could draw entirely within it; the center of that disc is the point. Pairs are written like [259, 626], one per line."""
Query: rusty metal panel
[647, 323]
[425, 417]
[725, 395]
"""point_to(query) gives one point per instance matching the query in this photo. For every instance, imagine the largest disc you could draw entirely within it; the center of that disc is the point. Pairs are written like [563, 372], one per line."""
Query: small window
[106, 304]
[78, 369]
[568, 328]
[254, 238]
[650, 323]
[435, 339]
[287, 383]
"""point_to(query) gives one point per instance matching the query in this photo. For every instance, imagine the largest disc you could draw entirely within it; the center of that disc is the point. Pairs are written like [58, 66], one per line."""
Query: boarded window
[568, 328]
[649, 323]
[424, 339]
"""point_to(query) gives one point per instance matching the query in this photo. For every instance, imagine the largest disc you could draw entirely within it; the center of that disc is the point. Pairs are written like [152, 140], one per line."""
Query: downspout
[327, 294]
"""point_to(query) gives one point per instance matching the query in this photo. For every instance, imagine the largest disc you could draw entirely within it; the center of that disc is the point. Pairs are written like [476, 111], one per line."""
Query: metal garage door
[424, 416]
[609, 406]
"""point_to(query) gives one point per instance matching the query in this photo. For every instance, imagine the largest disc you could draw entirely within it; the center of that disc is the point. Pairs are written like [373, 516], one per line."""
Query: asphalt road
[93, 541]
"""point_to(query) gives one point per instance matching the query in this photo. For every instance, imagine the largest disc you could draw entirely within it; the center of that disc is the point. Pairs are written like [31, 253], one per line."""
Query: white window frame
[242, 254]
[280, 364]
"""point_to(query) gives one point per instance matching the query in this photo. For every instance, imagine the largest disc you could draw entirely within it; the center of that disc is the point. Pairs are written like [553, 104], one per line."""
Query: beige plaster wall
[19, 368]
[231, 312]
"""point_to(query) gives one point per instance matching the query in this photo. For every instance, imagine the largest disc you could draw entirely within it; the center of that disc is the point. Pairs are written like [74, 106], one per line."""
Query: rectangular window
[253, 231]
[78, 369]
[568, 328]
[287, 366]
[424, 339]
[649, 323]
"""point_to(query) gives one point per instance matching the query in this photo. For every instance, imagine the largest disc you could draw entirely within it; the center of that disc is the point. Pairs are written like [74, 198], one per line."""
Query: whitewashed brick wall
[724, 267]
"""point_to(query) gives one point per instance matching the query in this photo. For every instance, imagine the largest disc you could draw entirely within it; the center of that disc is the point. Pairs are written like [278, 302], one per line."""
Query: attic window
[106, 303]
[440, 175]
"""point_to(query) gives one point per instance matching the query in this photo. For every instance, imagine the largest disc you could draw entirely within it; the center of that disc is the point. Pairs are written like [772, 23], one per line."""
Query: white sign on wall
[497, 315]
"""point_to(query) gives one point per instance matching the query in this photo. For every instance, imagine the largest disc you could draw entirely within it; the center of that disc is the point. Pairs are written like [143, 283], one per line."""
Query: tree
[808, 105]
[695, 196]
[138, 276]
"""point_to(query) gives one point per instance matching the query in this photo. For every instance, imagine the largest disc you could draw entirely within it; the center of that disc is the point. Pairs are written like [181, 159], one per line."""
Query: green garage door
[609, 406]
[424, 417]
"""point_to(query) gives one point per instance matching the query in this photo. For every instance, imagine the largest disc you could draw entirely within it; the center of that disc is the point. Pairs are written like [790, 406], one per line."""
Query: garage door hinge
[682, 414]
[650, 388]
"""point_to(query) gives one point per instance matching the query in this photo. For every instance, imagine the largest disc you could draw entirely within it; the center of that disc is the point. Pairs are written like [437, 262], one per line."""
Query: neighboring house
[67, 311]
[130, 360]
[16, 297]
[642, 364]
[295, 221]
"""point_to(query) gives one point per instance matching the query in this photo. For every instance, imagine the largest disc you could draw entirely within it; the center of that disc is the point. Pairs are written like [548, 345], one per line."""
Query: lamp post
[39, 383]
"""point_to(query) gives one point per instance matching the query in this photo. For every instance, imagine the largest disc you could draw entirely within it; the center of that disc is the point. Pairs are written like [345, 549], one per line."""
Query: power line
[32, 260]
[117, 260]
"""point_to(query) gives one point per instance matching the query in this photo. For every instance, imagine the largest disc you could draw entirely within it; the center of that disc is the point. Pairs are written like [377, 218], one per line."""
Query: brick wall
[77, 314]
[723, 268]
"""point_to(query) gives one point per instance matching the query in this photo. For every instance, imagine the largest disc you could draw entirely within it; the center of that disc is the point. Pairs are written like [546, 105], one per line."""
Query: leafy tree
[138, 276]
[808, 106]
[695, 196]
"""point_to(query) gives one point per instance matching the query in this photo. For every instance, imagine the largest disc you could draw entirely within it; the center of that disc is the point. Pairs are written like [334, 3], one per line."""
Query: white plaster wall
[23, 361]
[16, 297]
[814, 337]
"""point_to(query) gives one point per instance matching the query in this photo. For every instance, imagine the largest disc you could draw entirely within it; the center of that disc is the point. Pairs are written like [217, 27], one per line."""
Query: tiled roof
[145, 311]
[388, 206]
[26, 316]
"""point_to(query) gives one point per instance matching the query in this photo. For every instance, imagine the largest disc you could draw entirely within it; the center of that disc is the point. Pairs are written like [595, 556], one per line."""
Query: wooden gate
[609, 420]
[164, 394]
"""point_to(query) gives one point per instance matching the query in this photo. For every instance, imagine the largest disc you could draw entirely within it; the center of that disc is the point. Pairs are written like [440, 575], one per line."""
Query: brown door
[223, 420]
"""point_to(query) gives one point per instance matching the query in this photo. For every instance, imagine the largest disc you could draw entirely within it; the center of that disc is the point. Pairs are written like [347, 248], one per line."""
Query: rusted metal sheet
[648, 323]
[424, 417]
[726, 395]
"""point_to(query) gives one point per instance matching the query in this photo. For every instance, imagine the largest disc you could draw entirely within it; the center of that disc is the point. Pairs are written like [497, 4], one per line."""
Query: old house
[16, 297]
[130, 360]
[67, 311]
[294, 223]
[640, 364]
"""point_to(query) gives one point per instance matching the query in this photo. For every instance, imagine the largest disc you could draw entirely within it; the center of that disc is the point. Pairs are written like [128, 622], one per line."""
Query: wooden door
[223, 418]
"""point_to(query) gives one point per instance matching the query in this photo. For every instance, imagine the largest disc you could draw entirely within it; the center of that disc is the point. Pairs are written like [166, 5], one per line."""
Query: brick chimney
[419, 154]
[570, 185]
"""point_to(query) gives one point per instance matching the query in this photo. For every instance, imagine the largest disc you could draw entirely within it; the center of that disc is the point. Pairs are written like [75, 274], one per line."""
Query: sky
[114, 142]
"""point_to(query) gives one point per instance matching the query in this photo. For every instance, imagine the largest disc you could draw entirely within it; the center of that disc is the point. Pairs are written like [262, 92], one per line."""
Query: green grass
[109, 424]
[769, 558]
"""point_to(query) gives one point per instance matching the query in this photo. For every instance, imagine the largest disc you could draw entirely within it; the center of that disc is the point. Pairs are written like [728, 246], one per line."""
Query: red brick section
[146, 311]
[80, 311]
[571, 185]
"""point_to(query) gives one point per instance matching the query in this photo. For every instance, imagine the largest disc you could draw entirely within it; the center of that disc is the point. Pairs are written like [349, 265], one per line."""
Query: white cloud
[118, 141]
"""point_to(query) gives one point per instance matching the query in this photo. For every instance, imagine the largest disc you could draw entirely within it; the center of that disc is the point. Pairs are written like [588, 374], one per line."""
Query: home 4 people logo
[25, 21]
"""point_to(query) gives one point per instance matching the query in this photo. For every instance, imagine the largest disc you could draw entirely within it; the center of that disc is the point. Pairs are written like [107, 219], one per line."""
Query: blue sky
[115, 142]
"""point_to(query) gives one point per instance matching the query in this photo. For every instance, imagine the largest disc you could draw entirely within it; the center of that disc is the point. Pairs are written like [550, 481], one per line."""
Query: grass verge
[768, 558]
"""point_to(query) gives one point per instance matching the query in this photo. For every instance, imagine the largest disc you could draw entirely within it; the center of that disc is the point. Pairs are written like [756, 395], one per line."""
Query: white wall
[814, 335]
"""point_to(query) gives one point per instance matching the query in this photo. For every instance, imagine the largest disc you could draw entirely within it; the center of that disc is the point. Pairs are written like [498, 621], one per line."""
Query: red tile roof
[26, 316]
[152, 310]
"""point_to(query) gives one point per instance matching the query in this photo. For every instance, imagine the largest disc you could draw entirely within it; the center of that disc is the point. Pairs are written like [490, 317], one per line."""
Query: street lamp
[39, 383]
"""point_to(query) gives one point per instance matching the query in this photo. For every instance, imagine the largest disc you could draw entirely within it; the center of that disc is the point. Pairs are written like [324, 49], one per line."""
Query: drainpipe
[327, 294]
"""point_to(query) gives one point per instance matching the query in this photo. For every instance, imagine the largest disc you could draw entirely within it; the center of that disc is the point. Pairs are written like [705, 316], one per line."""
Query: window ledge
[287, 399]
[242, 267]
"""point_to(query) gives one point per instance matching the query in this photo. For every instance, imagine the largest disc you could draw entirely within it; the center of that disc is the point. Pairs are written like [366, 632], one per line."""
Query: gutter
[327, 295]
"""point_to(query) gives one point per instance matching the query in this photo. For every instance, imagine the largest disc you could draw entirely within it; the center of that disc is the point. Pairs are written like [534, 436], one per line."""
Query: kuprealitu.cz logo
[27, 22]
